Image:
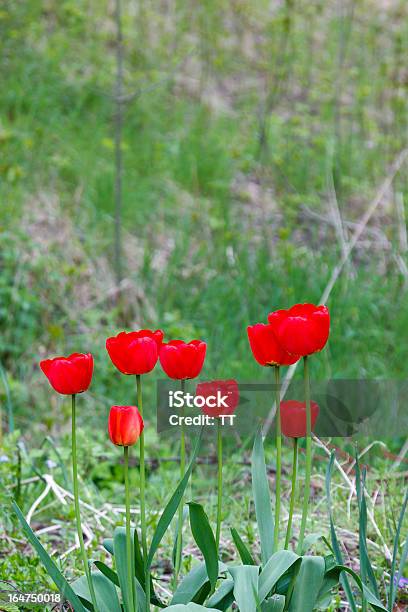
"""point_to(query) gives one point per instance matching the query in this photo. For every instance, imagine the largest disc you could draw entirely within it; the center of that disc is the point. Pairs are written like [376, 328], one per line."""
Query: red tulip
[135, 352]
[181, 360]
[302, 329]
[125, 425]
[265, 347]
[226, 391]
[69, 375]
[293, 418]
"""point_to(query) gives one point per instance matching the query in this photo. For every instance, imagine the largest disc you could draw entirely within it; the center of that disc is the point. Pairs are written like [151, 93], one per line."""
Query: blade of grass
[335, 543]
[393, 586]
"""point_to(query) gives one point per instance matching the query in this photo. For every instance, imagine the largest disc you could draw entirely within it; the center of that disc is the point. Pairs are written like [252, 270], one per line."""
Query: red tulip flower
[303, 329]
[125, 425]
[69, 375]
[227, 389]
[266, 348]
[293, 418]
[135, 352]
[181, 360]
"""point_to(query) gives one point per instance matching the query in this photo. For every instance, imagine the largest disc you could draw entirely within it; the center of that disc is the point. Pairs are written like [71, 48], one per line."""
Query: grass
[245, 115]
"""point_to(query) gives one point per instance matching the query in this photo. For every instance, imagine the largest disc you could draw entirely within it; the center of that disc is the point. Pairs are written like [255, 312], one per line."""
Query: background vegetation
[255, 137]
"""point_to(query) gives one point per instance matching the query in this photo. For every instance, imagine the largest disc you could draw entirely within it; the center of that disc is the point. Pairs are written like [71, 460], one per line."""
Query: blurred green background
[255, 136]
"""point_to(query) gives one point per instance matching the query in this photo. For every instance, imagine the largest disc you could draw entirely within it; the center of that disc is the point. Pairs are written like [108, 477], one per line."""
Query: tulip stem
[292, 493]
[306, 495]
[278, 461]
[143, 492]
[76, 504]
[219, 500]
[181, 506]
[128, 538]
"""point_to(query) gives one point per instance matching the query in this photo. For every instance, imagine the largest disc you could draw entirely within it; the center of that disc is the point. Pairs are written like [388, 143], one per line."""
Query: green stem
[219, 500]
[278, 461]
[181, 506]
[306, 495]
[76, 504]
[143, 493]
[129, 564]
[293, 493]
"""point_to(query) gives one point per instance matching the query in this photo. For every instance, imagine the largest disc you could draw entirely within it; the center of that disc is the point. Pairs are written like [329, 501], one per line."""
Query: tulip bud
[125, 425]
[303, 329]
[265, 347]
[181, 360]
[135, 352]
[293, 418]
[69, 375]
[227, 390]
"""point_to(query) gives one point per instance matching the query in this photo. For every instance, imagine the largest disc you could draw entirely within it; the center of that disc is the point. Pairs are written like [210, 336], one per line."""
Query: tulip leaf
[108, 545]
[307, 585]
[366, 570]
[105, 592]
[119, 547]
[190, 585]
[108, 572]
[276, 603]
[404, 554]
[223, 596]
[335, 543]
[277, 566]
[330, 581]
[139, 565]
[172, 506]
[367, 595]
[61, 583]
[242, 549]
[262, 499]
[190, 607]
[245, 586]
[204, 538]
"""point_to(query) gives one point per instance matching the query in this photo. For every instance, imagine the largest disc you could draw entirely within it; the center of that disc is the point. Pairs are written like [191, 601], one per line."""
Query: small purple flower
[402, 582]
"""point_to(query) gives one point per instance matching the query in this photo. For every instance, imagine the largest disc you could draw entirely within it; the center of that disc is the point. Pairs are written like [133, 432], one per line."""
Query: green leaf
[140, 572]
[262, 499]
[105, 592]
[191, 607]
[329, 582]
[119, 547]
[367, 595]
[242, 549]
[276, 567]
[204, 538]
[62, 585]
[245, 586]
[172, 506]
[335, 543]
[190, 585]
[108, 545]
[223, 596]
[276, 603]
[307, 584]
[367, 572]
[193, 582]
[393, 586]
[108, 572]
